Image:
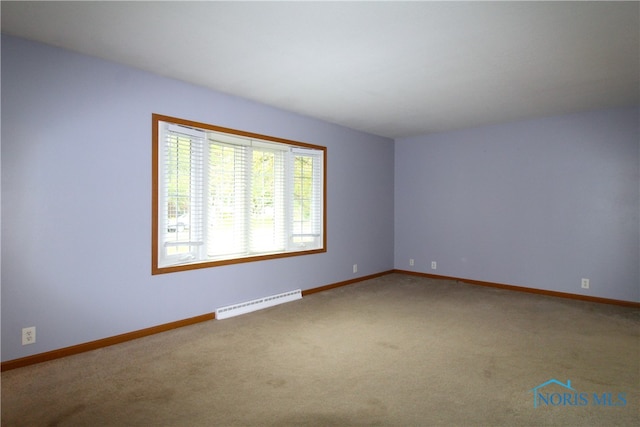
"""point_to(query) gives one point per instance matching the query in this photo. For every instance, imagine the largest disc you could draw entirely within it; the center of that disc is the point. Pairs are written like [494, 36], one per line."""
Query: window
[222, 196]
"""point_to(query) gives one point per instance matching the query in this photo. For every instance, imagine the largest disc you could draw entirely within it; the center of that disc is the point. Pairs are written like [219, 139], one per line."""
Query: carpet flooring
[397, 350]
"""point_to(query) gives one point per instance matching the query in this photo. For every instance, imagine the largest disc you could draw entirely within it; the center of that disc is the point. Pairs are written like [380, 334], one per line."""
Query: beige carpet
[393, 351]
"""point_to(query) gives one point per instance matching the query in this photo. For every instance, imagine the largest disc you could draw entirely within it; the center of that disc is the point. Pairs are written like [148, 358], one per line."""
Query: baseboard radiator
[257, 304]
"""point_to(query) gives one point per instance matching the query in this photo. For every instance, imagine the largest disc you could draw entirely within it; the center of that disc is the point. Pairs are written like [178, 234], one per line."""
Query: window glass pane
[227, 200]
[304, 228]
[267, 232]
[183, 154]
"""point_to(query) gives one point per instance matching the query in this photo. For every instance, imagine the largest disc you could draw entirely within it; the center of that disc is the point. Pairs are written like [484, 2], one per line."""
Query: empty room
[320, 213]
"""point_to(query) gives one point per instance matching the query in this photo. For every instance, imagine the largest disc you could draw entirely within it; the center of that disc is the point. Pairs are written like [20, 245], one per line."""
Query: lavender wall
[539, 203]
[76, 193]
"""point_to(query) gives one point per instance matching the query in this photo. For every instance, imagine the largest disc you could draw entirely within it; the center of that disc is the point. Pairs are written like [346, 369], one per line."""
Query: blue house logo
[571, 397]
[545, 398]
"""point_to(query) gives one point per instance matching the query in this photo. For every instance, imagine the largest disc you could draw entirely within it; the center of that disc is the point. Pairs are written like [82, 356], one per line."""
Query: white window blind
[227, 195]
[224, 196]
[306, 207]
[181, 189]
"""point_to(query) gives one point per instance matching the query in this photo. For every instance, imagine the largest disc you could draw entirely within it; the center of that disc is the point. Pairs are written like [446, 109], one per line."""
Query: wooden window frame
[156, 198]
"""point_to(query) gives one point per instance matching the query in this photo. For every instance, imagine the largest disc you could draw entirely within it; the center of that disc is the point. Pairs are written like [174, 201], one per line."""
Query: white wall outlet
[28, 335]
[434, 265]
[355, 268]
[411, 261]
[585, 284]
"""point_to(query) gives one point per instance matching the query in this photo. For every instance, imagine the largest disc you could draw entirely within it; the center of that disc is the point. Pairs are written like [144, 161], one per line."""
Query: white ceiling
[389, 68]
